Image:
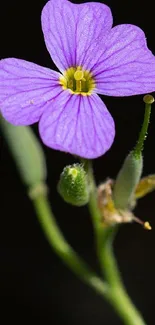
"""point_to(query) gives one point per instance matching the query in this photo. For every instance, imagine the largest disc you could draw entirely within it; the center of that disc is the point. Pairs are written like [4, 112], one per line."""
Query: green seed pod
[127, 181]
[73, 185]
[27, 153]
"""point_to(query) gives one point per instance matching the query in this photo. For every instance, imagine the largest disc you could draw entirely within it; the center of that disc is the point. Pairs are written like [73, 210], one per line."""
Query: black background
[34, 285]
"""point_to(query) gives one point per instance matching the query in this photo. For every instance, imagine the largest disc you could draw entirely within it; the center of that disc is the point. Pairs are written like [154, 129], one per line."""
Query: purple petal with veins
[77, 35]
[126, 66]
[79, 125]
[25, 90]
[73, 33]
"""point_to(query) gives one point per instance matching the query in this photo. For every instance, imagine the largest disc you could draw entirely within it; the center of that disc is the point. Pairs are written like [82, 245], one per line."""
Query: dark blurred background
[34, 285]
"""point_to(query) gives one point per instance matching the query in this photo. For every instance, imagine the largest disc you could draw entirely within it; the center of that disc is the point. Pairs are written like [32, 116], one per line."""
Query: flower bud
[127, 181]
[73, 185]
[130, 173]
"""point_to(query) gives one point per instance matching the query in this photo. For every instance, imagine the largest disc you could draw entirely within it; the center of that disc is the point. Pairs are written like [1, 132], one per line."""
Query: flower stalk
[62, 247]
[148, 100]
[112, 290]
[131, 171]
[117, 295]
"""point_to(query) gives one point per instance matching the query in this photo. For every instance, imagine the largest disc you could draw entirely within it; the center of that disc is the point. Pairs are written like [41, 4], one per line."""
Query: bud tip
[148, 99]
[73, 172]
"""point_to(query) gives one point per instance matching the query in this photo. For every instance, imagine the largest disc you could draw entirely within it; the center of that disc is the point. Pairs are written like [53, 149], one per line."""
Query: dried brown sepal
[109, 214]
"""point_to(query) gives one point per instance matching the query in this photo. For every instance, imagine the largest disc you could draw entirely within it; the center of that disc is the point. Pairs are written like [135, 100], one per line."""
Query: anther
[78, 75]
[147, 226]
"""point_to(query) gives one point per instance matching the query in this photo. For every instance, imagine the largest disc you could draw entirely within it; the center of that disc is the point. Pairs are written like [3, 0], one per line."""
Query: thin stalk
[117, 295]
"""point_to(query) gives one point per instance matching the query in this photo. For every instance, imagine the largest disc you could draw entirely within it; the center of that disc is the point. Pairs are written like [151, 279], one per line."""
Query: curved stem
[119, 298]
[143, 133]
[117, 295]
[62, 248]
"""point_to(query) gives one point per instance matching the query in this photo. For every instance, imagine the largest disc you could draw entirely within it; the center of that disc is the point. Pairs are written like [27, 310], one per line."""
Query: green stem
[62, 248]
[117, 295]
[93, 207]
[143, 133]
[118, 298]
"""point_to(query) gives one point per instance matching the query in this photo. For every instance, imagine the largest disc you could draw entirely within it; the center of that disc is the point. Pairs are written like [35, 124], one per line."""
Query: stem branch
[117, 295]
[62, 248]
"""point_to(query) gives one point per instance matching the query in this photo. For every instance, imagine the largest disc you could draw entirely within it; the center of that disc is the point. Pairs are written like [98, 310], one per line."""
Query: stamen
[78, 76]
[78, 85]
[79, 81]
[145, 224]
[70, 84]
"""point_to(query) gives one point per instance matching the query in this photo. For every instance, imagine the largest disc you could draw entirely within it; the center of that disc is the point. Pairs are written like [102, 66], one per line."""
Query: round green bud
[127, 181]
[73, 185]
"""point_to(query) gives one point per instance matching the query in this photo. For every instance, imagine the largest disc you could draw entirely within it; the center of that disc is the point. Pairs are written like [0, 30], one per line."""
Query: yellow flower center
[78, 81]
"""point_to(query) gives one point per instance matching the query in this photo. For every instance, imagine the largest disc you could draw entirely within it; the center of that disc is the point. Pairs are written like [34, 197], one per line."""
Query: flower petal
[127, 66]
[25, 90]
[80, 125]
[73, 32]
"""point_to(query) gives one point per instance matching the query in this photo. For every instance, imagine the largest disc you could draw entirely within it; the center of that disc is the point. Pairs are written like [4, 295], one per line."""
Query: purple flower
[93, 58]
